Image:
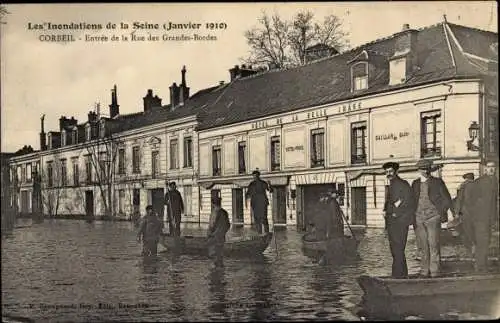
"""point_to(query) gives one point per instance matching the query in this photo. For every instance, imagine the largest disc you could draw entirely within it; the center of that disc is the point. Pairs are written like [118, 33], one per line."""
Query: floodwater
[69, 270]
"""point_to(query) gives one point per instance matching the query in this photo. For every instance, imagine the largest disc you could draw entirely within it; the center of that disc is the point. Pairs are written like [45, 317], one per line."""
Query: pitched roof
[328, 80]
[475, 41]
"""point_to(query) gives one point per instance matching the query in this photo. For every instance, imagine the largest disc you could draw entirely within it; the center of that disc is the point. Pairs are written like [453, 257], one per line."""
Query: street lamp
[473, 143]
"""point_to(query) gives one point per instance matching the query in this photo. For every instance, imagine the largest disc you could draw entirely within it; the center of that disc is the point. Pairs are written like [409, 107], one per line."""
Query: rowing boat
[197, 245]
[386, 296]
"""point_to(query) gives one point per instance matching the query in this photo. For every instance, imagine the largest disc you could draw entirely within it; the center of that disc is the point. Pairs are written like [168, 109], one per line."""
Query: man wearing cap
[398, 208]
[217, 229]
[256, 193]
[481, 201]
[463, 213]
[175, 208]
[433, 201]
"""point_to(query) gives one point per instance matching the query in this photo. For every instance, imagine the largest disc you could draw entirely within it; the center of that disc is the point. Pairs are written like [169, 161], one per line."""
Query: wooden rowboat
[387, 297]
[198, 245]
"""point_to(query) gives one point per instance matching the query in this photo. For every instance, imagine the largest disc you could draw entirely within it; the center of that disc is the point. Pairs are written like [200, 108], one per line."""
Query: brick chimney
[65, 123]
[404, 61]
[151, 102]
[183, 89]
[92, 117]
[174, 96]
[43, 138]
[244, 71]
[114, 108]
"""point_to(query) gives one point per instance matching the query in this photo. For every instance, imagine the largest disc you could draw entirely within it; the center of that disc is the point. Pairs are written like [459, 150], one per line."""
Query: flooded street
[62, 270]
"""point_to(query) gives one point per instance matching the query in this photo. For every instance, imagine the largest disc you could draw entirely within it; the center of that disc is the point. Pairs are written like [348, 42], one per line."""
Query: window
[50, 174]
[359, 76]
[102, 167]
[88, 169]
[29, 172]
[155, 164]
[317, 147]
[493, 133]
[275, 153]
[121, 161]
[174, 151]
[19, 173]
[188, 152]
[88, 132]
[63, 138]
[242, 146]
[216, 161]
[430, 133]
[121, 201]
[188, 193]
[74, 136]
[23, 174]
[358, 143]
[64, 173]
[76, 172]
[136, 168]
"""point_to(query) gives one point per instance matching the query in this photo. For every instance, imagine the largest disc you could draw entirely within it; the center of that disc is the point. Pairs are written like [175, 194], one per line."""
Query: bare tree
[52, 186]
[281, 43]
[102, 152]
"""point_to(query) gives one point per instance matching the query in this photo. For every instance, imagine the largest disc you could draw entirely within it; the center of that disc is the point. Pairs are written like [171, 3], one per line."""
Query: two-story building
[428, 93]
[116, 165]
[24, 165]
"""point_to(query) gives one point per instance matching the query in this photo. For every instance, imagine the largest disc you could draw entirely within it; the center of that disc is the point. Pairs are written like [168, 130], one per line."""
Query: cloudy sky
[58, 79]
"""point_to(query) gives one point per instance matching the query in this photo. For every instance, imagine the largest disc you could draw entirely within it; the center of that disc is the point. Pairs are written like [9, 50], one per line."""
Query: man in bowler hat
[398, 208]
[463, 216]
[433, 201]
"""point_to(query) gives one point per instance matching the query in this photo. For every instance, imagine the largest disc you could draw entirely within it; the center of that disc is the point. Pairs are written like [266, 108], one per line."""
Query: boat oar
[350, 229]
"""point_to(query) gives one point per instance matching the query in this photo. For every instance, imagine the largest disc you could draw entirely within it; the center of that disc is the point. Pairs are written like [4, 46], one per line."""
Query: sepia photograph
[274, 161]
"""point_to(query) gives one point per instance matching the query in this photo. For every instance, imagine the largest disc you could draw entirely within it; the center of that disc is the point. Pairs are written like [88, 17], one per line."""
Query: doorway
[358, 205]
[158, 201]
[237, 194]
[213, 193]
[89, 204]
[279, 205]
[308, 204]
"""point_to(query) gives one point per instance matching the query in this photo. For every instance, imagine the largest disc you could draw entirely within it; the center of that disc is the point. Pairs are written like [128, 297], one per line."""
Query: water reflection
[61, 262]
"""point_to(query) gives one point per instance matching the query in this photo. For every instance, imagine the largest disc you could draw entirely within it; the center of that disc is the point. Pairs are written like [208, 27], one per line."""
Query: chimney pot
[150, 92]
[406, 27]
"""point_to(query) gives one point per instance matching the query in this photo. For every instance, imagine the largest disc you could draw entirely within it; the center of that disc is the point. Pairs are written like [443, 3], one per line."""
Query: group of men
[425, 204]
[151, 226]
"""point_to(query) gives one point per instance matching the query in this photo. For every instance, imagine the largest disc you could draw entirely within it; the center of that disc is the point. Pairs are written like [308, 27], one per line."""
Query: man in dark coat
[481, 202]
[149, 232]
[398, 208]
[433, 201]
[217, 229]
[175, 207]
[256, 192]
[463, 214]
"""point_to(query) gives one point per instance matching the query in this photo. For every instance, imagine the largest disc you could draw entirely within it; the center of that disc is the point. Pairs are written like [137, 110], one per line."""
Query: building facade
[331, 123]
[334, 122]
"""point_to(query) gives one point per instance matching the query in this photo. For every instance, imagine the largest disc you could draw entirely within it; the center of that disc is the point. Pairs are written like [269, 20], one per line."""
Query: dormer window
[102, 129]
[397, 70]
[88, 132]
[63, 138]
[359, 72]
[49, 139]
[74, 136]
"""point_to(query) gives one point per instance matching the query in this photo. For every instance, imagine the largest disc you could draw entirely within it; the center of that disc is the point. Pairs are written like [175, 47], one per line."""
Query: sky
[57, 78]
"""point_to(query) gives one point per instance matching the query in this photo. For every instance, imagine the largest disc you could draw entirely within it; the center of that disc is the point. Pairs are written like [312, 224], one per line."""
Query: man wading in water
[149, 232]
[257, 195]
[218, 227]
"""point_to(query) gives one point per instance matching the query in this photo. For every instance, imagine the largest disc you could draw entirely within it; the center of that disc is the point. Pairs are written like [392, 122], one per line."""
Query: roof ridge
[472, 28]
[361, 46]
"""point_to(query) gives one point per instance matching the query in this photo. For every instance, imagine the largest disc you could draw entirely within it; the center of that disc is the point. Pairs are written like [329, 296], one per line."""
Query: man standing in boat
[149, 232]
[175, 208]
[481, 197]
[257, 193]
[217, 229]
[399, 209]
[433, 201]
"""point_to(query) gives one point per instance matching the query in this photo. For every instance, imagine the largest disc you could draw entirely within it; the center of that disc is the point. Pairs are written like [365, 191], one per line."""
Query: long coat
[400, 190]
[481, 198]
[174, 202]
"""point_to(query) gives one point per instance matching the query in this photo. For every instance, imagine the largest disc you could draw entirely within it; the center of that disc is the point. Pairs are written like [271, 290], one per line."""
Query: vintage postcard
[249, 161]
